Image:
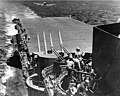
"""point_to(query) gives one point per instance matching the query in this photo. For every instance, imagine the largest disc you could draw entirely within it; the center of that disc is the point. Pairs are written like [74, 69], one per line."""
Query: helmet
[92, 70]
[78, 49]
[36, 56]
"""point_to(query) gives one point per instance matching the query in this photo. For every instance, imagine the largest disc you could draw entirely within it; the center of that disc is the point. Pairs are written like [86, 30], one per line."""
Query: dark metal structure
[34, 92]
[44, 60]
[106, 57]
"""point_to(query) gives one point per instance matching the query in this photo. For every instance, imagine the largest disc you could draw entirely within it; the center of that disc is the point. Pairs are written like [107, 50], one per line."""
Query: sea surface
[102, 11]
[92, 12]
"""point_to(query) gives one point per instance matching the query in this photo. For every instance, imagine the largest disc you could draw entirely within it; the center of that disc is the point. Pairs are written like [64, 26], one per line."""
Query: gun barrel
[65, 50]
[38, 43]
[56, 53]
[60, 38]
[45, 44]
[51, 42]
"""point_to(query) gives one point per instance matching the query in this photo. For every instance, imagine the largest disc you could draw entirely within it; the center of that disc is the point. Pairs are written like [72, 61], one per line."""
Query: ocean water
[91, 12]
[8, 11]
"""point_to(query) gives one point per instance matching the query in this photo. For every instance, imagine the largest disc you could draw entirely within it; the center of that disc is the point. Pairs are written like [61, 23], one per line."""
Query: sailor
[17, 21]
[77, 63]
[89, 67]
[78, 52]
[87, 84]
[92, 80]
[72, 89]
[82, 87]
[18, 39]
[70, 64]
[17, 27]
[77, 68]
[32, 56]
[24, 33]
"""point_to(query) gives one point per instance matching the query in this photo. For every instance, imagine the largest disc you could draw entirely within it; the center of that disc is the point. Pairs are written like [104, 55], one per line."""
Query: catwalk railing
[46, 72]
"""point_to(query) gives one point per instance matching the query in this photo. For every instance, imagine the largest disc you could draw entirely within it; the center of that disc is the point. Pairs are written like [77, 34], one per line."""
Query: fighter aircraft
[44, 4]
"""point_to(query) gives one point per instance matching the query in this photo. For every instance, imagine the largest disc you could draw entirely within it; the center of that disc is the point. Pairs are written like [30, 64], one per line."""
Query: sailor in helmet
[78, 52]
[77, 62]
[70, 64]
[72, 88]
[17, 21]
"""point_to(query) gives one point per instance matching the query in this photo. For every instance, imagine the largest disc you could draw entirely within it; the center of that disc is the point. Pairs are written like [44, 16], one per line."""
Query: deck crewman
[70, 64]
[21, 42]
[78, 52]
[77, 63]
[77, 68]
[17, 21]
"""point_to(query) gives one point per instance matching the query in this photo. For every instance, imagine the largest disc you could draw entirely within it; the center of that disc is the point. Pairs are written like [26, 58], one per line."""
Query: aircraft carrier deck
[74, 33]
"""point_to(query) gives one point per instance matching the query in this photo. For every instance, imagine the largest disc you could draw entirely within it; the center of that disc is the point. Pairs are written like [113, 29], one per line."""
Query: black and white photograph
[59, 47]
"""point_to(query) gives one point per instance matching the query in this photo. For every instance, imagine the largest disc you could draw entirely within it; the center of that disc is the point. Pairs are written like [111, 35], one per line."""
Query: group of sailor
[74, 61]
[20, 41]
[80, 72]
